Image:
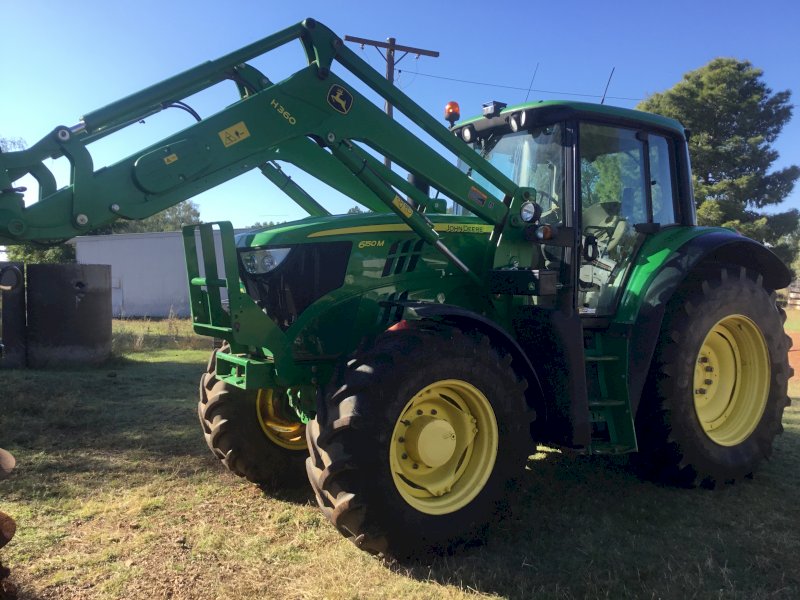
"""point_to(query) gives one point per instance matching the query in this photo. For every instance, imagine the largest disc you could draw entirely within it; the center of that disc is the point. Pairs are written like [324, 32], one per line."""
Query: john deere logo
[340, 99]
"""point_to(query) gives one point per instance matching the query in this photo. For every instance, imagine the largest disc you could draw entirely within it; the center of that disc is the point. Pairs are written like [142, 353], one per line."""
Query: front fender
[464, 319]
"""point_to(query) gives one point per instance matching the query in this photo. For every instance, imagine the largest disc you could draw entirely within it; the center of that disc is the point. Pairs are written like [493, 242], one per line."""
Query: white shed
[148, 271]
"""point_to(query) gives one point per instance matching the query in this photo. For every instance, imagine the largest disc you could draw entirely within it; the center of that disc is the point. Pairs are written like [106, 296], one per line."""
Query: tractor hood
[350, 228]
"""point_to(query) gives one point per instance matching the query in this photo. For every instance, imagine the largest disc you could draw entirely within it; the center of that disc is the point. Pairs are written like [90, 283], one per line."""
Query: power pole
[391, 47]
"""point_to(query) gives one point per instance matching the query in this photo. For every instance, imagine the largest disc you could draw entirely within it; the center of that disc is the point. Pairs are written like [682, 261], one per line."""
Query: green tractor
[536, 278]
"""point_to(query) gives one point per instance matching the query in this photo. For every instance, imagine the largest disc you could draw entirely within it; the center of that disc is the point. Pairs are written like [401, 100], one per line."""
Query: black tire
[350, 441]
[677, 440]
[234, 435]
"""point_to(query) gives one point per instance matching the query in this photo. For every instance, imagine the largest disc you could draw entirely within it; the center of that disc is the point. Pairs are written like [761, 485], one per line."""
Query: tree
[734, 118]
[41, 253]
[262, 224]
[355, 210]
[173, 218]
[8, 144]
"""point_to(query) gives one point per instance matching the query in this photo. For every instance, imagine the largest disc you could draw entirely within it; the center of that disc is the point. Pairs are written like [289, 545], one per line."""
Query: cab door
[626, 191]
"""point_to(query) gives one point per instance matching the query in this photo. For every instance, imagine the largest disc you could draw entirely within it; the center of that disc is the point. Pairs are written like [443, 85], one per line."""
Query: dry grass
[116, 496]
[141, 335]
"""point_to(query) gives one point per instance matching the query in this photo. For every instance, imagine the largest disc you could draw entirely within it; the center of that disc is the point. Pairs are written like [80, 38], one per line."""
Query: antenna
[531, 84]
[607, 84]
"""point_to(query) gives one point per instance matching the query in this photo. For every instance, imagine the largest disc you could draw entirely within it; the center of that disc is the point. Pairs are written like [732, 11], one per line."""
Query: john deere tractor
[531, 275]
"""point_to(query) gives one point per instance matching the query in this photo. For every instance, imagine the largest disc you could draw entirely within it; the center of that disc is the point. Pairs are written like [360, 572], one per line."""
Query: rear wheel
[415, 449]
[717, 388]
[251, 432]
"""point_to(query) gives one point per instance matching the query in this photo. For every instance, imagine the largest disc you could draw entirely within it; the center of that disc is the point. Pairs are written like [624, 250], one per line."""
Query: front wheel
[717, 388]
[416, 447]
[251, 432]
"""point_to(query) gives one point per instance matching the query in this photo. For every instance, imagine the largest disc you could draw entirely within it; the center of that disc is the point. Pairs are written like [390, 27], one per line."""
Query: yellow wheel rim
[731, 380]
[280, 431]
[443, 447]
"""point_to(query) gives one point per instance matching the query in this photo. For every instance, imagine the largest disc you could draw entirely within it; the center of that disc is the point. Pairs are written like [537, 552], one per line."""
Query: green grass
[117, 496]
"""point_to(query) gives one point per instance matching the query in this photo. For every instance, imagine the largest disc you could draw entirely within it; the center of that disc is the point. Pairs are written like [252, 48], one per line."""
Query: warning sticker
[403, 207]
[168, 160]
[234, 134]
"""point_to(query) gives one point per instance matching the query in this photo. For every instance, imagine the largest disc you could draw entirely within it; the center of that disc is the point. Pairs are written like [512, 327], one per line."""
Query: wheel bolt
[433, 411]
[703, 359]
[708, 382]
[416, 466]
[701, 391]
[419, 411]
[404, 456]
[401, 439]
[709, 369]
[406, 423]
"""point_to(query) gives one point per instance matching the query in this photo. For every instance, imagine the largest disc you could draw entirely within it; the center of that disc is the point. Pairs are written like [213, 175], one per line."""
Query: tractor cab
[597, 175]
[604, 181]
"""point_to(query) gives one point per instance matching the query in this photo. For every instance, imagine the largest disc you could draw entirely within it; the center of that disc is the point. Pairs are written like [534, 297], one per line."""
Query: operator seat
[608, 222]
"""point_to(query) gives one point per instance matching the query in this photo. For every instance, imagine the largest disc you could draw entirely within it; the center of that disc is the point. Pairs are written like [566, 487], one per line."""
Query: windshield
[532, 158]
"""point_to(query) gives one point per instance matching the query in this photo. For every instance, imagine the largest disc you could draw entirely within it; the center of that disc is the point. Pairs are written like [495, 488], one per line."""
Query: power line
[522, 89]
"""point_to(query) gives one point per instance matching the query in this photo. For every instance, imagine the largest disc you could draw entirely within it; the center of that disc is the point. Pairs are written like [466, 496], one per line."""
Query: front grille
[309, 272]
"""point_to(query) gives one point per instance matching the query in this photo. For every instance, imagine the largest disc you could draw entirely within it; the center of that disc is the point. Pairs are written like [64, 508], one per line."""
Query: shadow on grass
[116, 425]
[588, 527]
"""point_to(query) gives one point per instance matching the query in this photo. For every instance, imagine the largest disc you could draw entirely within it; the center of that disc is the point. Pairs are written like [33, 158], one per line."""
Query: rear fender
[644, 307]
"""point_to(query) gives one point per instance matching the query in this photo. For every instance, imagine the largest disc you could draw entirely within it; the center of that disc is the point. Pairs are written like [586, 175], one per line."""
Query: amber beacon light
[452, 113]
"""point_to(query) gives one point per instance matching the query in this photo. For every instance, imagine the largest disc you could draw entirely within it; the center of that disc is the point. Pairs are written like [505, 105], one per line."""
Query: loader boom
[312, 119]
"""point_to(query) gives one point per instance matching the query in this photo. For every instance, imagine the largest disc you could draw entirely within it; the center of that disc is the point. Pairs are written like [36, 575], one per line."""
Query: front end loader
[540, 278]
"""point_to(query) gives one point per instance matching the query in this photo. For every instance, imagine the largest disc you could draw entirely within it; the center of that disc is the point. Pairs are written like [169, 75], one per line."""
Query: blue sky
[63, 59]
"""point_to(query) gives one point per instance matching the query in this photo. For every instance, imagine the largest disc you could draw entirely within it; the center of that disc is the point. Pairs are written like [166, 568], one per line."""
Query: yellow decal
[371, 244]
[340, 99]
[443, 227]
[404, 208]
[464, 228]
[168, 160]
[283, 112]
[234, 134]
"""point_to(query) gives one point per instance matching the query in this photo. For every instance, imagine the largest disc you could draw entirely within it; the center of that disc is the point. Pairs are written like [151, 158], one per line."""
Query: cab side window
[662, 180]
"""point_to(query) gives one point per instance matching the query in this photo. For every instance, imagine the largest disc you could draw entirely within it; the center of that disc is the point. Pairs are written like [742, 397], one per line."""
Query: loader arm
[313, 119]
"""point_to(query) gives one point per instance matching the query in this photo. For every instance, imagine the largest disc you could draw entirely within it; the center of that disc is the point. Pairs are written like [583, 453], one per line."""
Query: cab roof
[549, 111]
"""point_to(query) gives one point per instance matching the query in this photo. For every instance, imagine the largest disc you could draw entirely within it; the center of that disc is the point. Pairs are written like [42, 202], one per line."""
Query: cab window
[613, 199]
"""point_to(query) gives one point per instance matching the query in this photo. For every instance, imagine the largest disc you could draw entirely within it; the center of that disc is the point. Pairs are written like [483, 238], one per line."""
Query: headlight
[529, 212]
[258, 262]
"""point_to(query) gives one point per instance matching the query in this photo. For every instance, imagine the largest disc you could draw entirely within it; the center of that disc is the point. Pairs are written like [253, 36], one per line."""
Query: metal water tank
[12, 316]
[69, 314]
